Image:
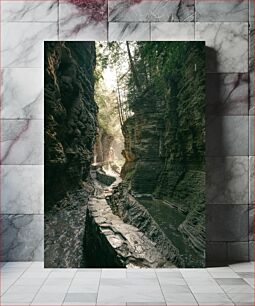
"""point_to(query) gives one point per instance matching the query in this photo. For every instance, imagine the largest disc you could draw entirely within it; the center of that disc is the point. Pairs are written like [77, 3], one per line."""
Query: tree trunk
[133, 69]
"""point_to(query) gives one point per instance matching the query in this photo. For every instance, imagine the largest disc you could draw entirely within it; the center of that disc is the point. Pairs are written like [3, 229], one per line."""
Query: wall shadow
[215, 254]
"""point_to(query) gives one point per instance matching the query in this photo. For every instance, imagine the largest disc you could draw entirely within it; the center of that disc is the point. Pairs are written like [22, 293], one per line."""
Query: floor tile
[114, 273]
[19, 294]
[222, 272]
[180, 299]
[230, 281]
[143, 273]
[194, 273]
[250, 281]
[88, 273]
[237, 289]
[55, 298]
[243, 267]
[213, 299]
[246, 274]
[66, 273]
[29, 282]
[17, 265]
[146, 303]
[111, 295]
[81, 297]
[242, 299]
[84, 285]
[205, 289]
[174, 289]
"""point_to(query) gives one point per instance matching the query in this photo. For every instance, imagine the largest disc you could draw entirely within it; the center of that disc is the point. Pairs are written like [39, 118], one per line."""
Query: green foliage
[173, 72]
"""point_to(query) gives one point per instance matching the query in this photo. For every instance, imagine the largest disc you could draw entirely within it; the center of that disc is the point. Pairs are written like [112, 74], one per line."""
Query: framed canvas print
[124, 142]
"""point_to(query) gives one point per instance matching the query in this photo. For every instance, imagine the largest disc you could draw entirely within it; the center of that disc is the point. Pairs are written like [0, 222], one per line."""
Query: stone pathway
[131, 247]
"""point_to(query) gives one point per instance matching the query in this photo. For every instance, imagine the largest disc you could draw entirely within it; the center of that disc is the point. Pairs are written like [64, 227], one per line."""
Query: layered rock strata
[70, 116]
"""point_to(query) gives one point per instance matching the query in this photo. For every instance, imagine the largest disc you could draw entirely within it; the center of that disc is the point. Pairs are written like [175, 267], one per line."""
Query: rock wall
[70, 116]
[64, 229]
[70, 132]
[165, 143]
[143, 140]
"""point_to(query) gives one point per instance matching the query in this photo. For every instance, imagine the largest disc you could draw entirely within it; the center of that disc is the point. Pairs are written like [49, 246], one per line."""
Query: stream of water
[169, 218]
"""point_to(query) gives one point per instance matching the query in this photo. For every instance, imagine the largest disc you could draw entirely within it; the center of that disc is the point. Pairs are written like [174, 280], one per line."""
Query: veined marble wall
[226, 26]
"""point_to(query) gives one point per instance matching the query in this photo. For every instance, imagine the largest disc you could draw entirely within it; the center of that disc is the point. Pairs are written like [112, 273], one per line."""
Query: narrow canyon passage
[124, 154]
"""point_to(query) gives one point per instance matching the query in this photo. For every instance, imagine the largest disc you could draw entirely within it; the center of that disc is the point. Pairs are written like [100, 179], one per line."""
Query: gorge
[124, 168]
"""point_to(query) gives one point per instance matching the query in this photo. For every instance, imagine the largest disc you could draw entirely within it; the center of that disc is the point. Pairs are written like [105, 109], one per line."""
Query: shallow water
[169, 218]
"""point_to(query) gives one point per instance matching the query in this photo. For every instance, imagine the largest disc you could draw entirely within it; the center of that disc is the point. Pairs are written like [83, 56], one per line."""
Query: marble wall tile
[227, 180]
[251, 180]
[216, 252]
[227, 223]
[74, 24]
[22, 93]
[234, 10]
[251, 10]
[251, 135]
[237, 251]
[129, 31]
[251, 69]
[22, 237]
[227, 135]
[251, 250]
[21, 142]
[23, 10]
[251, 94]
[227, 43]
[172, 31]
[22, 189]
[153, 10]
[227, 94]
[251, 222]
[22, 43]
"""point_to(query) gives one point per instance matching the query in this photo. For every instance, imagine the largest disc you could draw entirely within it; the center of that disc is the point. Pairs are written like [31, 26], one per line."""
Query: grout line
[224, 289]
[69, 286]
[160, 286]
[98, 286]
[40, 287]
[189, 288]
[15, 280]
